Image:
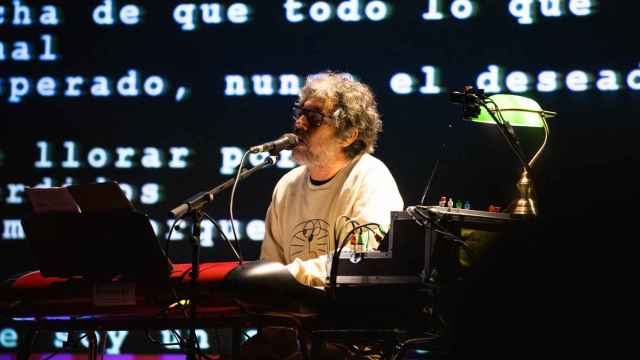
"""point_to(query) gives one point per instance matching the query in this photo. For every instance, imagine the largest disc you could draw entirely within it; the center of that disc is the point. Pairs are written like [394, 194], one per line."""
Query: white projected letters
[232, 155]
[171, 342]
[149, 193]
[460, 9]
[114, 339]
[431, 77]
[526, 10]
[578, 80]
[8, 338]
[129, 85]
[548, 81]
[23, 15]
[177, 233]
[126, 157]
[403, 83]
[489, 80]
[633, 79]
[12, 229]
[518, 82]
[609, 81]
[347, 11]
[179, 157]
[493, 80]
[44, 152]
[15, 190]
[262, 85]
[235, 85]
[186, 14]
[46, 86]
[98, 157]
[24, 51]
[105, 14]
[113, 343]
[255, 230]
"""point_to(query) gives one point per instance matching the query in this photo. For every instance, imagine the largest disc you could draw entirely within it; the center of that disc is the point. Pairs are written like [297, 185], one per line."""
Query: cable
[504, 129]
[182, 343]
[336, 255]
[443, 231]
[296, 323]
[336, 232]
[353, 223]
[166, 246]
[217, 340]
[223, 236]
[58, 351]
[199, 350]
[428, 187]
[233, 194]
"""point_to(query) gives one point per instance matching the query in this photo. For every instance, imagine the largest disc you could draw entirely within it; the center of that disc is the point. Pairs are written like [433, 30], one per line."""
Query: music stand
[105, 237]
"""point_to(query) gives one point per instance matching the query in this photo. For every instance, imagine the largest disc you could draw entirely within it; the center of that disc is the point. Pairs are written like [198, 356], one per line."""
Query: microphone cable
[233, 194]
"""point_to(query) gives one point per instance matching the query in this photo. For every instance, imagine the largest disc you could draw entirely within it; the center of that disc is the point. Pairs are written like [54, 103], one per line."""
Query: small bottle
[459, 204]
[450, 203]
[443, 201]
[467, 205]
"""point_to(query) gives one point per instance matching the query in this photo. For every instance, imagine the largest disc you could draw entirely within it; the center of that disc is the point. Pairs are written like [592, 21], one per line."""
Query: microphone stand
[199, 200]
[193, 207]
[443, 148]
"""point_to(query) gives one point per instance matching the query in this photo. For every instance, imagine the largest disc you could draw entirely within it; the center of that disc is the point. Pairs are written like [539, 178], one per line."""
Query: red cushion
[209, 273]
[34, 295]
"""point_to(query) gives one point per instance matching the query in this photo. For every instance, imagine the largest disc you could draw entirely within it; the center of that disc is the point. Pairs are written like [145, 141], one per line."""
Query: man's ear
[353, 135]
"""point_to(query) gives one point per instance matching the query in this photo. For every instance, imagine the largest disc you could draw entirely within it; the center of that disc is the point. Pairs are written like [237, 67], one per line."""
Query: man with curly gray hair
[352, 110]
[337, 122]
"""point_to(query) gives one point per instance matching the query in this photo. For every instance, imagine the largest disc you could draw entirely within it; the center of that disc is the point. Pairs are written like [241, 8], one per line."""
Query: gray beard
[306, 157]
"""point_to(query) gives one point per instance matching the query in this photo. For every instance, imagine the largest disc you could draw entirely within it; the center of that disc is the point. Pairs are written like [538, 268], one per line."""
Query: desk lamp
[506, 111]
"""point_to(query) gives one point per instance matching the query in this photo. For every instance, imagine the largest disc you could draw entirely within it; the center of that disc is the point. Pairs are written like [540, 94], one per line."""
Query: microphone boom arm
[199, 200]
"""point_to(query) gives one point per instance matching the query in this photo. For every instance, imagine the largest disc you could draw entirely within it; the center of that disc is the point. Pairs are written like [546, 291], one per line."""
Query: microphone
[285, 142]
[470, 99]
[461, 98]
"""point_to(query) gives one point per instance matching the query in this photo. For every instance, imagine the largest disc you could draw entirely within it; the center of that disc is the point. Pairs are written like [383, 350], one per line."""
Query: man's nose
[301, 123]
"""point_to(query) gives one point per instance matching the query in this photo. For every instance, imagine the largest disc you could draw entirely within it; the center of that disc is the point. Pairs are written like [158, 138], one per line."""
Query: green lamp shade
[515, 109]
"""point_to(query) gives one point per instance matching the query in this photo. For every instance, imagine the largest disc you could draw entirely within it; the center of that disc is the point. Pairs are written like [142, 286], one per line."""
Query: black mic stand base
[195, 272]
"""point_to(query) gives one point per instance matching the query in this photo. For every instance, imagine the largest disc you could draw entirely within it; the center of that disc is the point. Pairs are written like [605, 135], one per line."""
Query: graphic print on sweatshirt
[310, 239]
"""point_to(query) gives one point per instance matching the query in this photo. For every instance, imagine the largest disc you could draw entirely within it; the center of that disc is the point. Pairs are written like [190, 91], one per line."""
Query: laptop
[92, 231]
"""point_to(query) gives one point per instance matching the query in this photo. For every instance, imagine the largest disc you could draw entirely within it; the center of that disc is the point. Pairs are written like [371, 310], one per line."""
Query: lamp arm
[516, 149]
[544, 142]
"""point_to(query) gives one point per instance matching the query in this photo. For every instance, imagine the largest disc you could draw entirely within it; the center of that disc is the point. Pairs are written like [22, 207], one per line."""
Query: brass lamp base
[525, 206]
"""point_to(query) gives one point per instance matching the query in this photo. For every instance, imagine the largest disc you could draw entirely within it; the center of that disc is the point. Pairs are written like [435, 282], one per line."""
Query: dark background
[585, 180]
